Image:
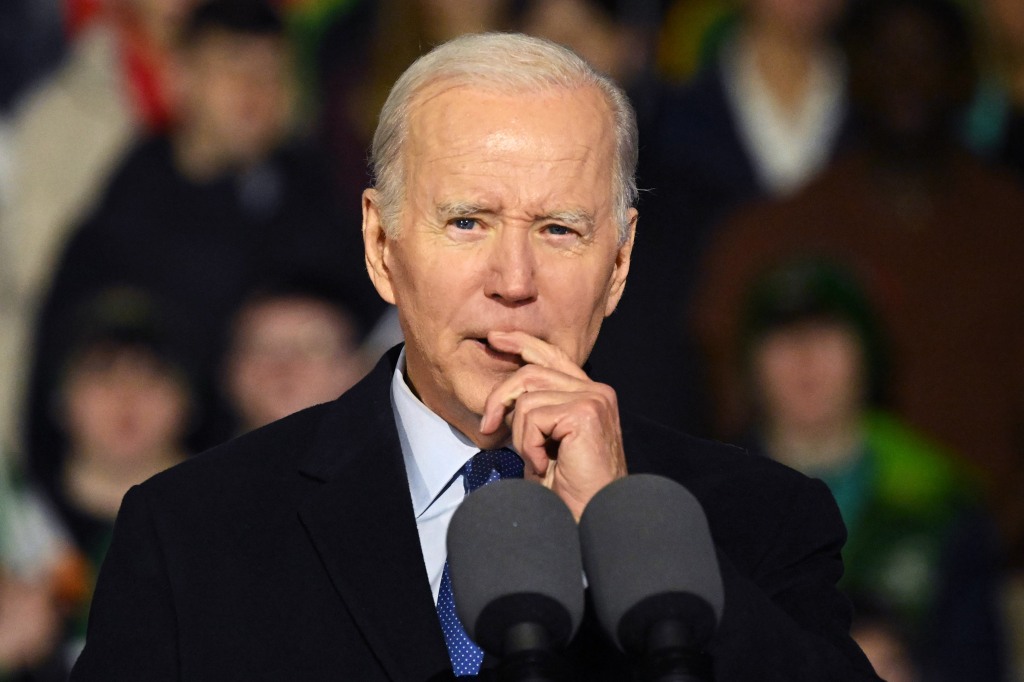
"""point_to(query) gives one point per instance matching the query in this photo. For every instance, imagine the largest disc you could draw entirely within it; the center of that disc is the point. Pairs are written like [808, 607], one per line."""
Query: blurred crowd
[827, 269]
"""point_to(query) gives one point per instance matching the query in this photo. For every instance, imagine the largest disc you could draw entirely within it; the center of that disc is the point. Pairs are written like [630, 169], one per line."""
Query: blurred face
[289, 354]
[886, 652]
[237, 93]
[161, 19]
[800, 19]
[1006, 19]
[587, 30]
[122, 405]
[446, 19]
[506, 224]
[906, 80]
[809, 375]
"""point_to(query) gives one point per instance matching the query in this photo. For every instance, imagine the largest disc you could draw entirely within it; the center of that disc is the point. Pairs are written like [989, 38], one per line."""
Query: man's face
[908, 81]
[507, 223]
[810, 375]
[803, 19]
[237, 93]
[122, 406]
[161, 19]
[289, 353]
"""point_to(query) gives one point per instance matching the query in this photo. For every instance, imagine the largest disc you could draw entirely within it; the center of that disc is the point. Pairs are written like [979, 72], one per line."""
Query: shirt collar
[434, 451]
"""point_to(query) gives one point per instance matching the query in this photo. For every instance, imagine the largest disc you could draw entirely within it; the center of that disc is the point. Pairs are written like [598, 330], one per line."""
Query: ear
[621, 268]
[376, 244]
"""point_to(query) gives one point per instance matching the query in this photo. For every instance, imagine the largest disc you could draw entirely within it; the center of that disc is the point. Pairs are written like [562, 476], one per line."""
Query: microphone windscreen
[649, 557]
[514, 557]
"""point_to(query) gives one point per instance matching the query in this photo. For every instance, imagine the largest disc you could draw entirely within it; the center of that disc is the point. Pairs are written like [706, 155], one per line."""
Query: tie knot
[488, 466]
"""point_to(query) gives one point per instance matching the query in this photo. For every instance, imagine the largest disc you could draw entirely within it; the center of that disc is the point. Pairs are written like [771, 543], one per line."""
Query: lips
[494, 354]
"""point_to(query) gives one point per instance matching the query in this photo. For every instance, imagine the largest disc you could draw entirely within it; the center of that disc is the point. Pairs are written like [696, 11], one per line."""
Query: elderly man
[501, 226]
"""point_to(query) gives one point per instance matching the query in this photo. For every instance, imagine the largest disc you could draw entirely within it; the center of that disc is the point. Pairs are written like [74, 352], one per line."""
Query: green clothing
[920, 545]
[908, 498]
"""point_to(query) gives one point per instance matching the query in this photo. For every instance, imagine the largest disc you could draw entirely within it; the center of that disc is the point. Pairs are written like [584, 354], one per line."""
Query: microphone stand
[529, 656]
[667, 657]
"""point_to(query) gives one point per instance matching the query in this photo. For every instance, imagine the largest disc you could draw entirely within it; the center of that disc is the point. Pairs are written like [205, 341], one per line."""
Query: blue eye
[559, 230]
[464, 223]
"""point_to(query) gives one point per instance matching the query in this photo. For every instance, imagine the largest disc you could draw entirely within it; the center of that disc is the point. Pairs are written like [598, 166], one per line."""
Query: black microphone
[653, 574]
[517, 577]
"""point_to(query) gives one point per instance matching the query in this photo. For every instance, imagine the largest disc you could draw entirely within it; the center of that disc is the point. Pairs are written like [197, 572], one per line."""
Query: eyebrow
[462, 209]
[576, 217]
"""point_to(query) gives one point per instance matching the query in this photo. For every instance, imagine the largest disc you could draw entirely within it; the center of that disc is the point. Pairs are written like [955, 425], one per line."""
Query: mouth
[495, 354]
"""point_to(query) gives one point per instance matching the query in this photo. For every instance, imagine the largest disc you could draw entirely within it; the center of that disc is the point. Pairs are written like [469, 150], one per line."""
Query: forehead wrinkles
[473, 133]
[436, 120]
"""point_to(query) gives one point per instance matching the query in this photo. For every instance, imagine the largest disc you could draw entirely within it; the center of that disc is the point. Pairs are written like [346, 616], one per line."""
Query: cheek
[429, 292]
[86, 409]
[779, 373]
[768, 378]
[848, 373]
[163, 410]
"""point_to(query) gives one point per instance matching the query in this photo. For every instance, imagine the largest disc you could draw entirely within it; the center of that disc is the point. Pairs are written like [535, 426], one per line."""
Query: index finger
[534, 351]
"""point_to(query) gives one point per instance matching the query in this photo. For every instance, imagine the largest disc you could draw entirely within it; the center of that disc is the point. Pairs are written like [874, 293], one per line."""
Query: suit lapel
[362, 525]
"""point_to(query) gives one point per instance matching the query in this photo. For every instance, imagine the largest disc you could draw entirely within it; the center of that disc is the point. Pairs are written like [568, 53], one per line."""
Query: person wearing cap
[920, 545]
[123, 402]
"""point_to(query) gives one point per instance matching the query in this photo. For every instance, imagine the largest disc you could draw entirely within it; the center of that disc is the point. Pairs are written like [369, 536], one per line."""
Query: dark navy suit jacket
[291, 553]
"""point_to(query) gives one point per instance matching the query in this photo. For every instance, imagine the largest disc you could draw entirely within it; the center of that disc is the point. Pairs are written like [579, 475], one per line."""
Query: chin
[471, 393]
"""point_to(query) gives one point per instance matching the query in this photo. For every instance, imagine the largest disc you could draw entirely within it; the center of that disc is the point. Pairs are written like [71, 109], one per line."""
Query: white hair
[508, 62]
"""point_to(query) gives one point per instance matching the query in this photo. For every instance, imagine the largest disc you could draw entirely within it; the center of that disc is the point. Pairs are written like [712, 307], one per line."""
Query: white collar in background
[786, 150]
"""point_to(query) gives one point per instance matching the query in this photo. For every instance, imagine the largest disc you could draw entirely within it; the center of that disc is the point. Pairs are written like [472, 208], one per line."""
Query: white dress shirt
[434, 452]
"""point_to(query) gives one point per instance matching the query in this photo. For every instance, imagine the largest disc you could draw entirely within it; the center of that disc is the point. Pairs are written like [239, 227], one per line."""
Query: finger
[585, 462]
[549, 475]
[527, 404]
[535, 351]
[552, 424]
[499, 403]
[545, 421]
[538, 424]
[530, 378]
[532, 438]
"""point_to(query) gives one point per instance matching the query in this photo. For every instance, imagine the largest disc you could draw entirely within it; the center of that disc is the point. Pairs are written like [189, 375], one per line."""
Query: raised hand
[563, 424]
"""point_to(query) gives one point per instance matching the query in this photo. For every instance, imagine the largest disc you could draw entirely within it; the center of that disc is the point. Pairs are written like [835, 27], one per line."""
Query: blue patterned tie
[485, 467]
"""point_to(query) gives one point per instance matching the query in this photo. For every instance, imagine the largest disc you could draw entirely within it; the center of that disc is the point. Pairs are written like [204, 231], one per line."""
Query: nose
[512, 268]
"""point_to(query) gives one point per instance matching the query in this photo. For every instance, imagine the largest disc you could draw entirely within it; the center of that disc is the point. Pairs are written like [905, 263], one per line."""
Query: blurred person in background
[66, 135]
[123, 401]
[760, 119]
[292, 346]
[996, 121]
[884, 641]
[32, 42]
[30, 627]
[40, 577]
[764, 116]
[361, 50]
[617, 37]
[690, 35]
[196, 216]
[935, 235]
[920, 544]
